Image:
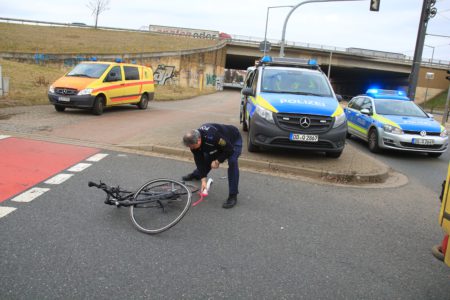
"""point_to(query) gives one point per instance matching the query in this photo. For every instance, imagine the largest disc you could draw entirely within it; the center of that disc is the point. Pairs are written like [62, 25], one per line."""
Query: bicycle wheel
[159, 205]
[191, 187]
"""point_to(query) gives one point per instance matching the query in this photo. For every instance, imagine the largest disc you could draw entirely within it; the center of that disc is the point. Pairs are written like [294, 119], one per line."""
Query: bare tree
[97, 7]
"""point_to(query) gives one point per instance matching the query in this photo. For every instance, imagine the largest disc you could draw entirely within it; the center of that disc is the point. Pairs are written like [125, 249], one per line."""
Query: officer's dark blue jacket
[217, 143]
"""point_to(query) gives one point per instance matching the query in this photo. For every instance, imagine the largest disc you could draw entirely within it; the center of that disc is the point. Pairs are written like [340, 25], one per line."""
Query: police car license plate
[64, 99]
[304, 137]
[422, 141]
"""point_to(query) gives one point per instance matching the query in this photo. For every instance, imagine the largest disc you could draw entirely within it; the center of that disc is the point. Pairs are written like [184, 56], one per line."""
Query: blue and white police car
[289, 103]
[387, 119]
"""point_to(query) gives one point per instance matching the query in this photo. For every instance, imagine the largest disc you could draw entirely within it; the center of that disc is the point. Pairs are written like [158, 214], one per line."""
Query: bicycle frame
[168, 201]
[122, 197]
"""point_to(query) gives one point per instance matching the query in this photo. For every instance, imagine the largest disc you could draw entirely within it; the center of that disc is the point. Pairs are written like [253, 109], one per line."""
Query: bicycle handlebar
[91, 184]
[99, 186]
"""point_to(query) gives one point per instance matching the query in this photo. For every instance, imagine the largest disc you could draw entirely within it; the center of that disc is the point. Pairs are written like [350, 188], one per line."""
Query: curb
[329, 176]
[345, 178]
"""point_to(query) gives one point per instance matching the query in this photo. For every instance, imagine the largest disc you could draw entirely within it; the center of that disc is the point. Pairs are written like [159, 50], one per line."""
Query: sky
[340, 24]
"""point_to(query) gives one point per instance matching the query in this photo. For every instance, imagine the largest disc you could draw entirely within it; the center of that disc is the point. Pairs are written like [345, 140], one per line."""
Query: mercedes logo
[305, 122]
[423, 133]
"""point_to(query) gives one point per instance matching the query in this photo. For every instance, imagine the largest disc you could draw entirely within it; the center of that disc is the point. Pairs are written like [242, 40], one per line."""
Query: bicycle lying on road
[157, 205]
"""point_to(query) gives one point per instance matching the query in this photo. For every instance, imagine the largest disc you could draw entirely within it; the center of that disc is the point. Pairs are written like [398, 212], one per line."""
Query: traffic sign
[264, 46]
[375, 5]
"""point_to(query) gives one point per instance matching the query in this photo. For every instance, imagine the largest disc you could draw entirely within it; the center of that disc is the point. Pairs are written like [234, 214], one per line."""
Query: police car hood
[415, 123]
[305, 104]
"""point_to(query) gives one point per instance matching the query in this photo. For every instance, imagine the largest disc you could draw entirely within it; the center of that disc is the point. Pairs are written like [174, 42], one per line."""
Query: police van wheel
[348, 135]
[144, 102]
[373, 141]
[244, 122]
[250, 146]
[60, 108]
[97, 109]
[434, 154]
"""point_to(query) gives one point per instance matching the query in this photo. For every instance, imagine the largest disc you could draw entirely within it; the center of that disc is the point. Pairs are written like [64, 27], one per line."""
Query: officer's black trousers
[233, 168]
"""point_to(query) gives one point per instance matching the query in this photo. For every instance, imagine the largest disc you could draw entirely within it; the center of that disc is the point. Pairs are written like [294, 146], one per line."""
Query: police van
[289, 103]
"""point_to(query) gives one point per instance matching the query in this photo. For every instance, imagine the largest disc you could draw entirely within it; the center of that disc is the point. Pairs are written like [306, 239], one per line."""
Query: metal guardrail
[74, 24]
[375, 54]
[254, 41]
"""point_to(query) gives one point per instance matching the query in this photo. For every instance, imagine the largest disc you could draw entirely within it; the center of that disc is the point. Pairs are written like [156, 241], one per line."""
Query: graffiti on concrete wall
[164, 74]
[214, 80]
[40, 58]
[211, 79]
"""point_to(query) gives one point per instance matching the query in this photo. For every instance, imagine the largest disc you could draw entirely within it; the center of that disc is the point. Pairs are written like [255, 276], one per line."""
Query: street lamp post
[292, 10]
[267, 21]
[428, 79]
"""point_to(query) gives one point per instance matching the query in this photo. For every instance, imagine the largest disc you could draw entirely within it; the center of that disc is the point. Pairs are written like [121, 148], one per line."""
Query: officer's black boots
[190, 177]
[230, 202]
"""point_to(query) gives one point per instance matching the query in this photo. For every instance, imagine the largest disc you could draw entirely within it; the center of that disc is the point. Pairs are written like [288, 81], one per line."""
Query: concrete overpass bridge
[351, 70]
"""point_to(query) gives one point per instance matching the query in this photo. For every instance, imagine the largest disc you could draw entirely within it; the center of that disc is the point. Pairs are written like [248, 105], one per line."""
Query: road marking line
[30, 195]
[4, 136]
[97, 157]
[79, 167]
[6, 210]
[60, 178]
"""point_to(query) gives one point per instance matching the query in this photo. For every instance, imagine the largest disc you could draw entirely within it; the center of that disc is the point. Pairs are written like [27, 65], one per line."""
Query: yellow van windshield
[88, 70]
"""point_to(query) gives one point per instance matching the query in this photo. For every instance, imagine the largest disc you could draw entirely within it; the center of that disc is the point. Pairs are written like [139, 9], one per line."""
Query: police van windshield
[88, 70]
[294, 81]
[398, 108]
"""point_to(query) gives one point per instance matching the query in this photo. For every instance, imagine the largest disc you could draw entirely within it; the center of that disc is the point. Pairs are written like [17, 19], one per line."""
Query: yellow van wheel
[144, 102]
[437, 252]
[99, 104]
[59, 108]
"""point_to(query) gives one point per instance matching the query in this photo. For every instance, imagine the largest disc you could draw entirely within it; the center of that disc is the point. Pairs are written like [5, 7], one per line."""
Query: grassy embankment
[436, 103]
[29, 82]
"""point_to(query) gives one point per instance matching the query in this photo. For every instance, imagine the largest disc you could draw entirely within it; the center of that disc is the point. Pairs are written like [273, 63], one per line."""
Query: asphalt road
[286, 239]
[419, 167]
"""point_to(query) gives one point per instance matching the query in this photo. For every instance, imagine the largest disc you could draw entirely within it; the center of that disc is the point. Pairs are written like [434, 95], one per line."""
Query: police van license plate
[304, 137]
[64, 99]
[422, 141]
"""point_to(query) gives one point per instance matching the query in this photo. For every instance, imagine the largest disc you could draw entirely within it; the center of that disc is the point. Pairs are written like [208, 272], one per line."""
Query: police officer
[211, 145]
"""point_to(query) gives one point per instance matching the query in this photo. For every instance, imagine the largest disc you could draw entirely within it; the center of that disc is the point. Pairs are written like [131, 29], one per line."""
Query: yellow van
[95, 85]
[442, 251]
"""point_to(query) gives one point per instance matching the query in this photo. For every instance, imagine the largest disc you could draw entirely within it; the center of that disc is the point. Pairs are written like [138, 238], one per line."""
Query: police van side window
[255, 80]
[249, 81]
[131, 73]
[114, 75]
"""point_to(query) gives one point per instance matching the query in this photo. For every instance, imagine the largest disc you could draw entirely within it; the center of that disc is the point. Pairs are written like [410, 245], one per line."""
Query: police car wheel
[373, 141]
[434, 154]
[348, 135]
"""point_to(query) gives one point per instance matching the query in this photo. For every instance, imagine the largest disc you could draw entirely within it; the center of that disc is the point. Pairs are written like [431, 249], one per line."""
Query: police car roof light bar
[387, 94]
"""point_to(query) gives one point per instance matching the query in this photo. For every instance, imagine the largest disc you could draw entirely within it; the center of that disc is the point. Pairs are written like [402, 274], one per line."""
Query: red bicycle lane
[25, 162]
